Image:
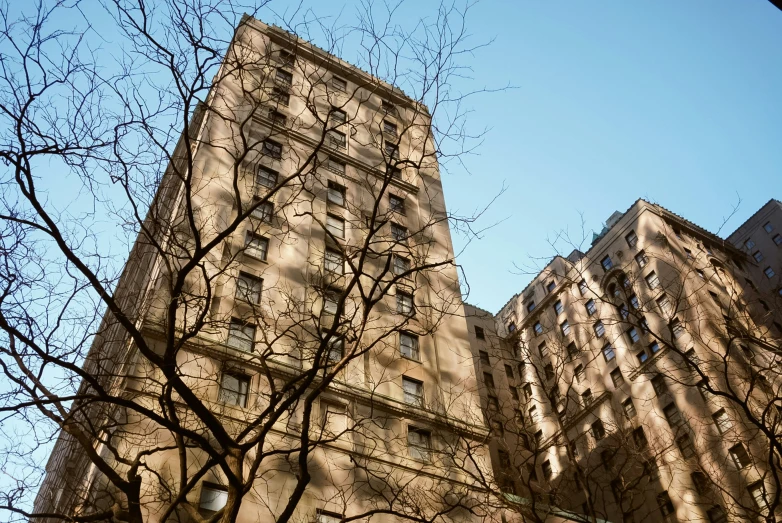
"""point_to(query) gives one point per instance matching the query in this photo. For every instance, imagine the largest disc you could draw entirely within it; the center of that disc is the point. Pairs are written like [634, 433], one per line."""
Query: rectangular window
[758, 492]
[335, 225]
[272, 148]
[213, 498]
[546, 469]
[514, 393]
[398, 233]
[266, 177]
[582, 287]
[339, 84]
[616, 377]
[587, 397]
[608, 352]
[579, 373]
[769, 272]
[639, 438]
[659, 385]
[543, 350]
[391, 150]
[396, 203]
[387, 107]
[549, 371]
[606, 263]
[665, 305]
[530, 306]
[287, 57]
[652, 470]
[408, 346]
[631, 239]
[642, 356]
[716, 514]
[488, 381]
[558, 308]
[749, 243]
[418, 443]
[677, 328]
[632, 333]
[758, 256]
[284, 77]
[666, 506]
[509, 372]
[600, 329]
[394, 172]
[564, 327]
[263, 211]
[641, 259]
[256, 246]
[624, 312]
[336, 194]
[688, 252]
[538, 328]
[598, 430]
[672, 415]
[654, 347]
[233, 389]
[404, 303]
[277, 117]
[629, 408]
[684, 442]
[248, 288]
[550, 286]
[777, 239]
[338, 116]
[722, 421]
[538, 437]
[389, 128]
[527, 391]
[400, 265]
[652, 281]
[634, 303]
[337, 139]
[572, 350]
[479, 333]
[334, 262]
[591, 308]
[494, 403]
[413, 391]
[336, 166]
[768, 227]
[241, 335]
[484, 357]
[281, 96]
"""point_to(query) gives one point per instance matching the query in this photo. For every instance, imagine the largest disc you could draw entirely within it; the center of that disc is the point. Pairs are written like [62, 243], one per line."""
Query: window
[666, 506]
[722, 421]
[263, 211]
[338, 167]
[396, 203]
[333, 417]
[336, 194]
[716, 514]
[335, 225]
[768, 227]
[549, 371]
[339, 84]
[241, 335]
[511, 327]
[334, 262]
[558, 308]
[639, 438]
[677, 328]
[504, 460]
[213, 498]
[398, 233]
[538, 328]
[659, 385]
[644, 325]
[582, 287]
[616, 378]
[266, 177]
[654, 347]
[600, 329]
[337, 139]
[389, 128]
[642, 356]
[395, 172]
[641, 259]
[287, 57]
[538, 436]
[591, 308]
[391, 150]
[758, 256]
[281, 96]
[413, 391]
[749, 243]
[624, 312]
[530, 306]
[629, 408]
[700, 274]
[531, 473]
[514, 393]
[400, 265]
[388, 107]
[488, 381]
[578, 372]
[598, 430]
[533, 414]
[494, 404]
[700, 481]
[509, 371]
[632, 333]
[574, 450]
[565, 328]
[665, 305]
[550, 286]
[408, 346]
[769, 272]
[479, 333]
[546, 469]
[672, 415]
[338, 116]
[777, 239]
[527, 391]
[277, 117]
[284, 77]
[272, 148]
[652, 470]
[330, 303]
[248, 288]
[587, 397]
[336, 350]
[739, 456]
[606, 263]
[758, 492]
[233, 389]
[631, 239]
[652, 281]
[634, 302]
[418, 443]
[484, 357]
[404, 303]
[572, 350]
[543, 350]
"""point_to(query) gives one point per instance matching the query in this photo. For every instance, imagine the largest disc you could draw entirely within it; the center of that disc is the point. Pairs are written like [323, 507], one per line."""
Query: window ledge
[643, 367]
[569, 423]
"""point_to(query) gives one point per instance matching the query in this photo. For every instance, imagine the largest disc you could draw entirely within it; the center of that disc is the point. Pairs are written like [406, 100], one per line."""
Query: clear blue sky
[676, 101]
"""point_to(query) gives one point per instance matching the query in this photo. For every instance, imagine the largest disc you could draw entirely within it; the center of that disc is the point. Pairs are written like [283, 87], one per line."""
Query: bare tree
[291, 261]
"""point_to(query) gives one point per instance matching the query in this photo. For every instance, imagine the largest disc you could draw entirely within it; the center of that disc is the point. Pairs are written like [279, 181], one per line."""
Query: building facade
[634, 382]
